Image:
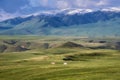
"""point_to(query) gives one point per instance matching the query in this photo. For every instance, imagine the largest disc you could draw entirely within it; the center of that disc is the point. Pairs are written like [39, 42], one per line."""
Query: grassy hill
[83, 63]
[37, 65]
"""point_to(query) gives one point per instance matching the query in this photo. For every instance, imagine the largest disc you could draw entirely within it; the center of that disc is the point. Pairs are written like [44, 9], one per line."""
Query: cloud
[4, 15]
[60, 4]
[12, 6]
[81, 3]
[90, 3]
[102, 3]
[24, 7]
[37, 3]
[45, 2]
[63, 4]
[9, 8]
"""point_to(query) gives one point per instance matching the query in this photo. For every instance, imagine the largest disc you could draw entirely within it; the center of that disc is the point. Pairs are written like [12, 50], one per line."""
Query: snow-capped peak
[39, 13]
[68, 11]
[73, 11]
[79, 11]
[112, 9]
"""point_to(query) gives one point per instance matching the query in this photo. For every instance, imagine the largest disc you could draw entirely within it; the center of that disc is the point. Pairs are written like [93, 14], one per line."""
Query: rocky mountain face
[75, 22]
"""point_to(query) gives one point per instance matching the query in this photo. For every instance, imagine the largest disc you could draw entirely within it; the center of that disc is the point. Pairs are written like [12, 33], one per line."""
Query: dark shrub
[99, 47]
[91, 41]
[117, 46]
[3, 48]
[102, 41]
[16, 49]
[70, 45]
[83, 57]
[46, 45]
[11, 42]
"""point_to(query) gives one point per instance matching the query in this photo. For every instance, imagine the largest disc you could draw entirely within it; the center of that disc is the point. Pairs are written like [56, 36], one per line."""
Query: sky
[13, 8]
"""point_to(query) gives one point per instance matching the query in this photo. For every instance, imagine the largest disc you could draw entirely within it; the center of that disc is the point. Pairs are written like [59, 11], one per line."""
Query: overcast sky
[10, 8]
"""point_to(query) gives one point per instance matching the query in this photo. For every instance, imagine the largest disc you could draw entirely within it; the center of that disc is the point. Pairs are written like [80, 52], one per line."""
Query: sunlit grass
[36, 65]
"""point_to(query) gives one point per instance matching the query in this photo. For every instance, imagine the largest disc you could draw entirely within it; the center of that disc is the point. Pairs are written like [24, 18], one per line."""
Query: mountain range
[67, 22]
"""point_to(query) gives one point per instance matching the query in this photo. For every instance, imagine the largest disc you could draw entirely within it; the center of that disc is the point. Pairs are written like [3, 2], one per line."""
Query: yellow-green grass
[36, 65]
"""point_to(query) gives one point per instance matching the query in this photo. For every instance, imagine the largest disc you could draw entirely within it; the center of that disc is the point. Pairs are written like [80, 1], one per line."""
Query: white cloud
[25, 7]
[4, 15]
[60, 4]
[37, 3]
[81, 3]
[34, 3]
[44, 2]
[102, 3]
[63, 4]
[90, 3]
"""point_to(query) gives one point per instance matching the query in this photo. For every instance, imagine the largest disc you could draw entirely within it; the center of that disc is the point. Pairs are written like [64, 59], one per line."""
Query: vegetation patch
[117, 46]
[100, 47]
[59, 51]
[16, 49]
[3, 48]
[71, 45]
[38, 53]
[11, 42]
[84, 57]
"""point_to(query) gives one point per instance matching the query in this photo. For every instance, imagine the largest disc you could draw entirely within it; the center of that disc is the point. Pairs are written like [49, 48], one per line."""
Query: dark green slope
[106, 28]
[97, 23]
[26, 28]
[34, 27]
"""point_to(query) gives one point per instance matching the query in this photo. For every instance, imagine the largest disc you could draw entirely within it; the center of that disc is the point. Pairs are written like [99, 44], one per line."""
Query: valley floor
[68, 62]
[37, 65]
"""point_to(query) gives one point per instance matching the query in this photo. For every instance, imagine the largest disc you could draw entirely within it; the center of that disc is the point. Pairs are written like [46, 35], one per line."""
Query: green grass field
[36, 65]
[82, 63]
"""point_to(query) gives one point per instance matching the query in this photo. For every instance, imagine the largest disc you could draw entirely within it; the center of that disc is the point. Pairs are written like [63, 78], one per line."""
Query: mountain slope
[96, 23]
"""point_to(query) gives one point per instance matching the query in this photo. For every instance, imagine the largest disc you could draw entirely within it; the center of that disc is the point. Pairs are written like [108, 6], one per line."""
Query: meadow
[83, 63]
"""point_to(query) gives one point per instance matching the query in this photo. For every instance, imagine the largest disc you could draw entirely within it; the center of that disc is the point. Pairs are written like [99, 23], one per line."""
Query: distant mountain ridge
[73, 22]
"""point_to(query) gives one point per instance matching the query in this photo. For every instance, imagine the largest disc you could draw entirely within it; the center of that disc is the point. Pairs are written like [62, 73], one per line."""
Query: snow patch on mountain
[79, 11]
[68, 11]
[112, 9]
